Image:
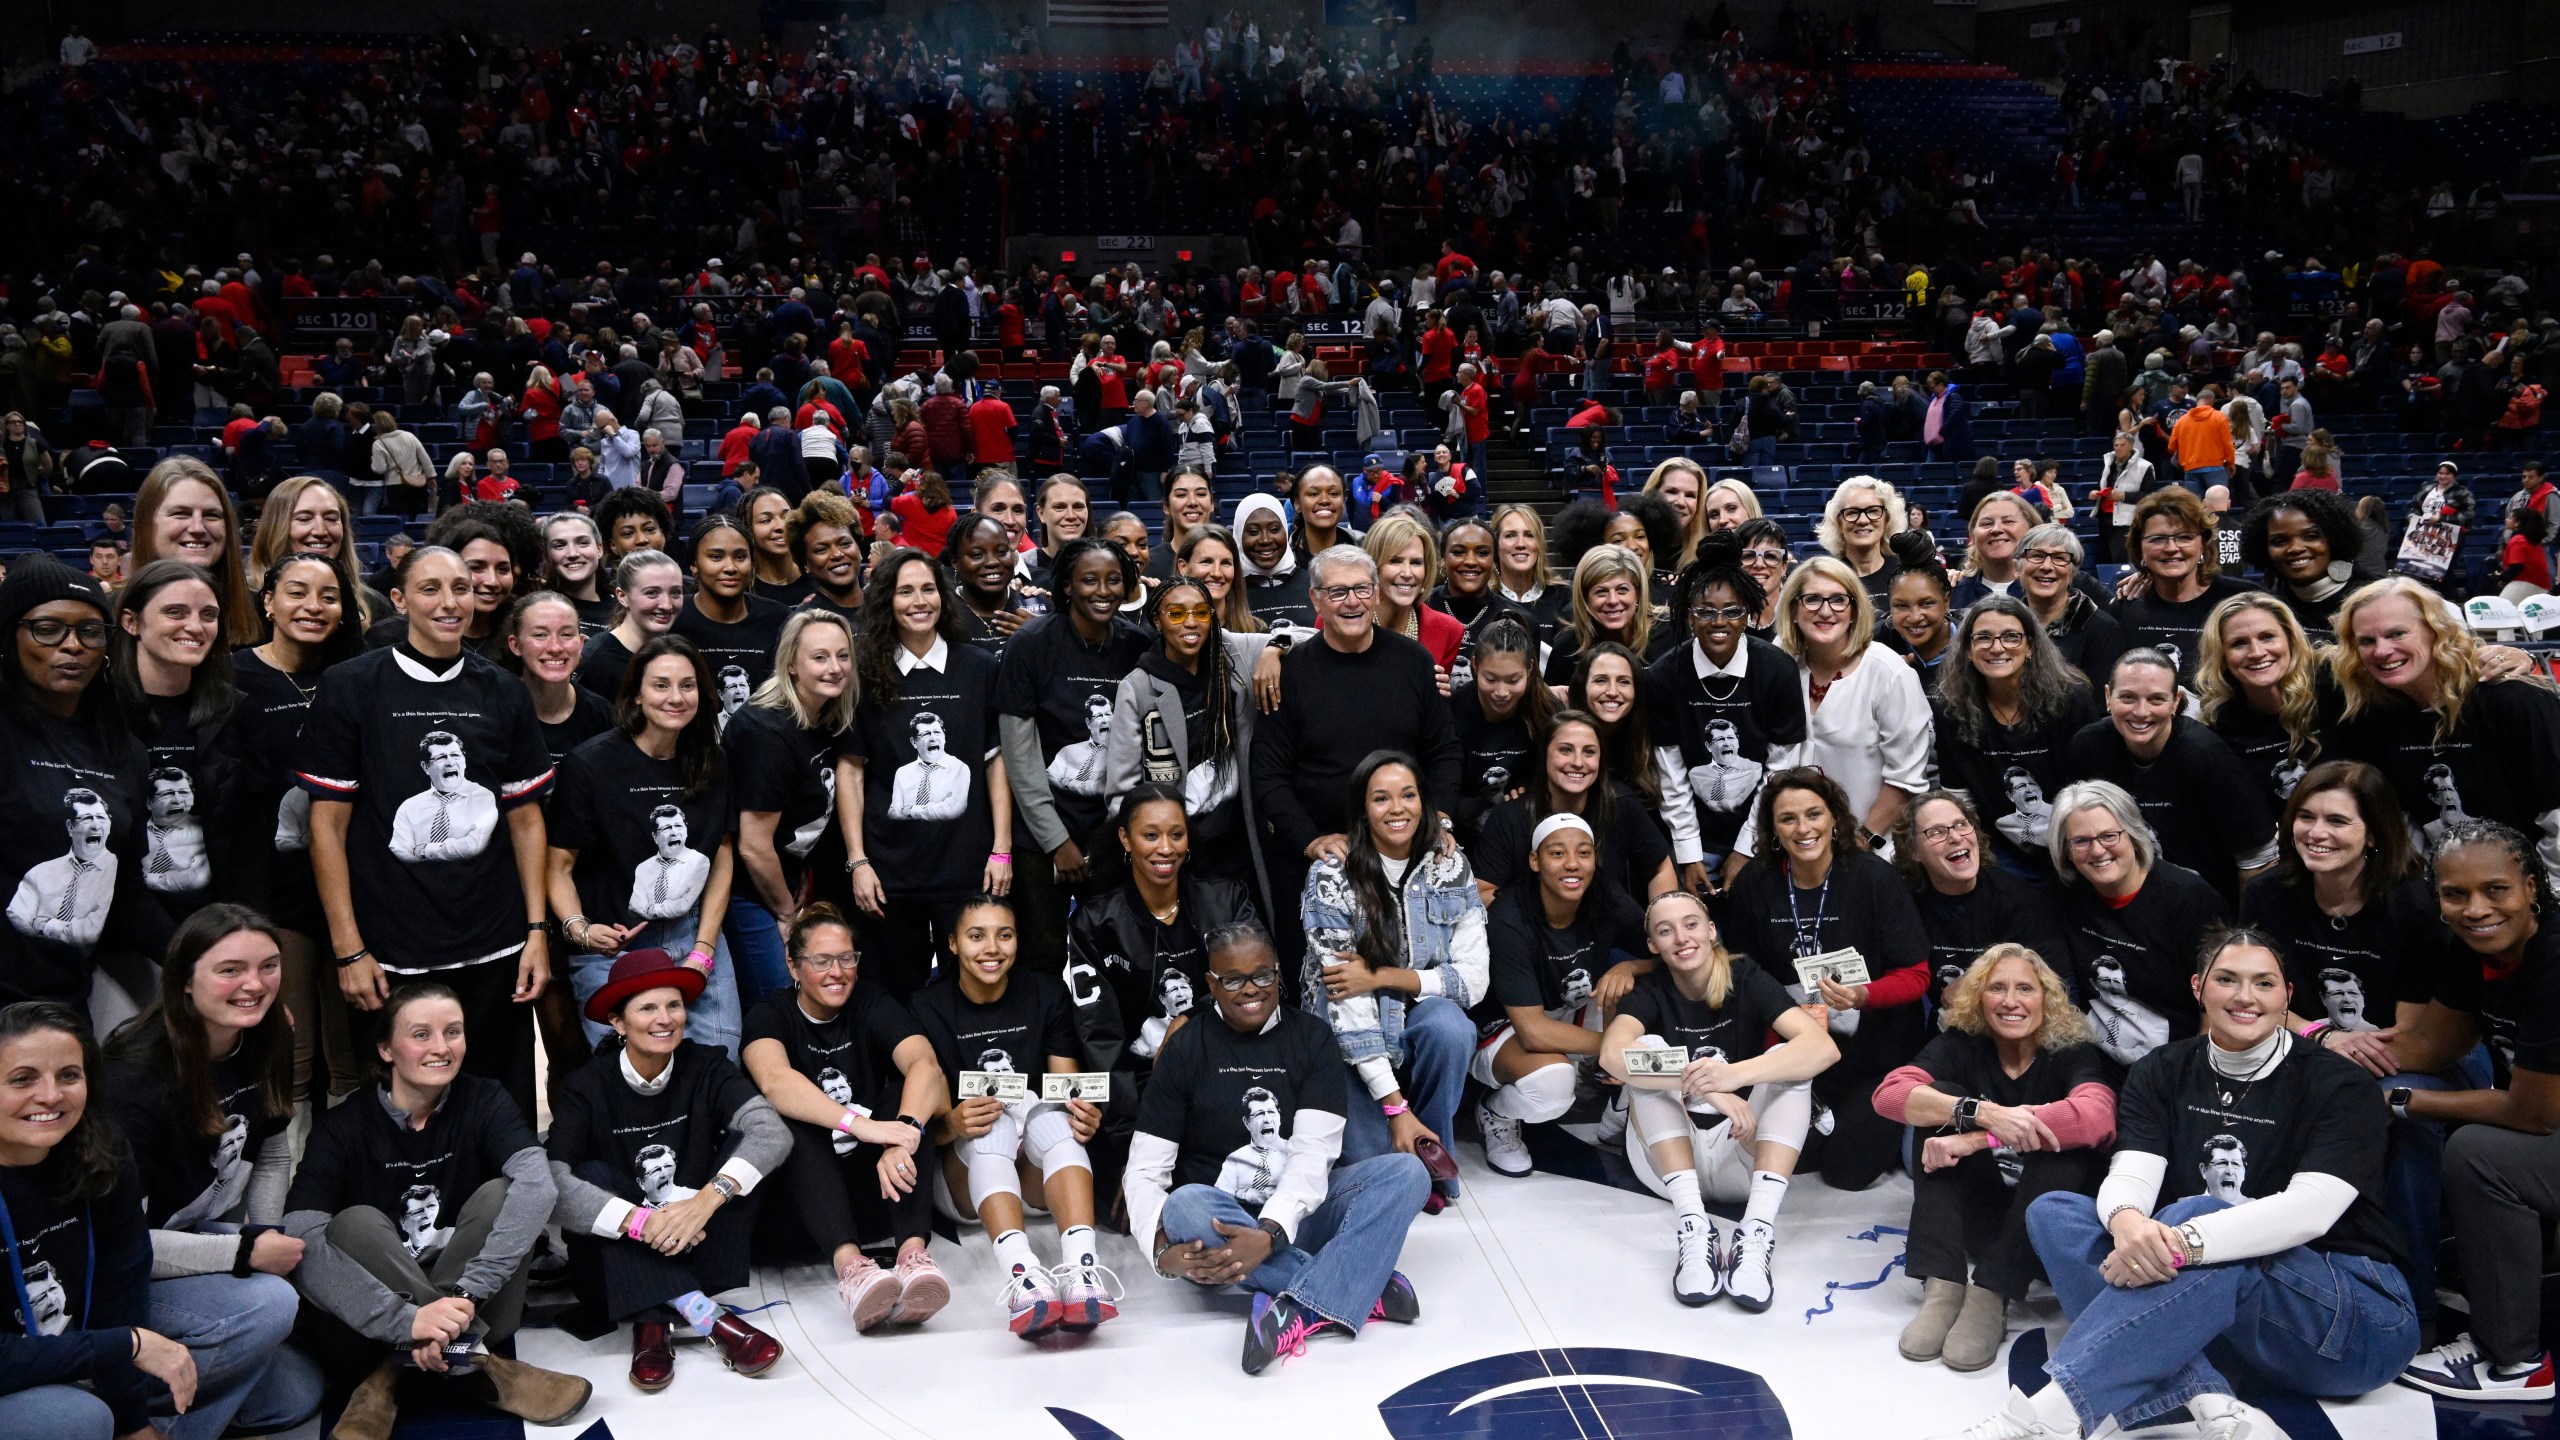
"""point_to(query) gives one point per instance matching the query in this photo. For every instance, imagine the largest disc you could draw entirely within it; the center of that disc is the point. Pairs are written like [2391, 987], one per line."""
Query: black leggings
[1862, 1145]
[836, 1198]
[1969, 1225]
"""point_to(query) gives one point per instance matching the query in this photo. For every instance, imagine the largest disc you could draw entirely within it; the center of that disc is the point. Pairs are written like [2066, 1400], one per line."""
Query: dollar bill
[1666, 1060]
[1001, 1084]
[1091, 1086]
[1845, 967]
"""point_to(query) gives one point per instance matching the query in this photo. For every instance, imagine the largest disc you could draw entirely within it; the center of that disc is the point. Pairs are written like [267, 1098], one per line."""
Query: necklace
[306, 691]
[2275, 1055]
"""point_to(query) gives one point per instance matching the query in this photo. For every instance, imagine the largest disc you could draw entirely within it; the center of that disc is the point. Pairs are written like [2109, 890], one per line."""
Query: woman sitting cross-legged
[1732, 1119]
[1231, 1178]
[1005, 1155]
[655, 1150]
[2018, 1103]
[1399, 939]
[418, 1204]
[2247, 1187]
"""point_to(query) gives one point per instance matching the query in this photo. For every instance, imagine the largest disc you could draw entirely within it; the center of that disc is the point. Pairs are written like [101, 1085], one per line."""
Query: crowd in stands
[719, 701]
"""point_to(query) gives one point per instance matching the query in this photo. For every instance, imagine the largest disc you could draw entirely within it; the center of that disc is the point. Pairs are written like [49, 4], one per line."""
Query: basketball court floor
[1546, 1315]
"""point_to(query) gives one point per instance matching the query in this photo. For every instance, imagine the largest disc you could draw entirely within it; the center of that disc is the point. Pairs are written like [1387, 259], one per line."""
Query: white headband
[1556, 822]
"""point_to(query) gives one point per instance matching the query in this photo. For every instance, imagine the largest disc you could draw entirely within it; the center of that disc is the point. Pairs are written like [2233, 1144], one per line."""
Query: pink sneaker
[870, 1294]
[922, 1292]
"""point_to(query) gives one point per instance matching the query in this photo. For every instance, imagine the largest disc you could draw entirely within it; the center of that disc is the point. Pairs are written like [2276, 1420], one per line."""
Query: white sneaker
[1504, 1150]
[1087, 1294]
[1033, 1300]
[2227, 1417]
[1698, 1277]
[1755, 1244]
[2015, 1421]
[2458, 1371]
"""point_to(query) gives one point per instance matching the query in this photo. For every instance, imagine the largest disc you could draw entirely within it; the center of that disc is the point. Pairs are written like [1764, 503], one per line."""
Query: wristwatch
[1968, 1114]
[727, 1187]
[911, 1120]
[1270, 1227]
[2397, 1097]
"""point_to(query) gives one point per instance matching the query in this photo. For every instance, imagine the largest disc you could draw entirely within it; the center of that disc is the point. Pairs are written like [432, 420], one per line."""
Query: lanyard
[1821, 902]
[18, 1273]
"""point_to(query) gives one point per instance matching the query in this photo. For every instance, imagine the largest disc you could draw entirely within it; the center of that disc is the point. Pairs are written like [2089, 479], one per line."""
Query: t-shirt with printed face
[925, 824]
[2131, 964]
[86, 1264]
[739, 655]
[430, 754]
[1065, 686]
[188, 774]
[2012, 775]
[263, 835]
[359, 1155]
[1538, 966]
[1631, 853]
[1494, 756]
[1965, 1064]
[1735, 1031]
[2000, 908]
[664, 1147]
[777, 768]
[1725, 727]
[1230, 1102]
[2496, 765]
[2242, 1140]
[2517, 1011]
[1017, 1032]
[191, 1178]
[2354, 971]
[2172, 626]
[851, 1055]
[75, 795]
[645, 851]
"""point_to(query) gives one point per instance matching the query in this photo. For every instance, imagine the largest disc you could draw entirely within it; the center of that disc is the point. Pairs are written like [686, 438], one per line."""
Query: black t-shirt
[739, 654]
[2246, 1139]
[2265, 751]
[925, 824]
[1628, 856]
[1019, 1031]
[645, 851]
[1537, 966]
[1280, 601]
[786, 595]
[1476, 612]
[2517, 1011]
[430, 754]
[262, 849]
[666, 1145]
[2171, 626]
[1725, 727]
[1494, 756]
[1738, 1030]
[590, 715]
[1051, 677]
[2130, 965]
[1863, 906]
[983, 632]
[189, 1177]
[1969, 1065]
[86, 1265]
[75, 796]
[852, 1057]
[1564, 654]
[1230, 1102]
[595, 616]
[600, 668]
[2012, 774]
[2354, 971]
[2497, 765]
[2209, 812]
[2000, 908]
[776, 768]
[360, 1155]
[188, 779]
[1213, 782]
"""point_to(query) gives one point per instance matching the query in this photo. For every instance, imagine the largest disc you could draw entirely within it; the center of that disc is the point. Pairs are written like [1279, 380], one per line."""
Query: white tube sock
[1768, 1192]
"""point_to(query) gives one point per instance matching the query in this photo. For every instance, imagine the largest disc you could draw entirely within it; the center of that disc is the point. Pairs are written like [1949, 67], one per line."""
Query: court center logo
[1578, 1390]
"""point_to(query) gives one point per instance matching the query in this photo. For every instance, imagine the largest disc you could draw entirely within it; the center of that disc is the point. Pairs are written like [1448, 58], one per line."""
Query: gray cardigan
[1140, 693]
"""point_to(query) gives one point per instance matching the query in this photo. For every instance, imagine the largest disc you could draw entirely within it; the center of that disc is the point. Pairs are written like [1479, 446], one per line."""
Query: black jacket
[1111, 972]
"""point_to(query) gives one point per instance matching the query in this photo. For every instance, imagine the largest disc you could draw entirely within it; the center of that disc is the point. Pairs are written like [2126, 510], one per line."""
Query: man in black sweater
[1352, 690]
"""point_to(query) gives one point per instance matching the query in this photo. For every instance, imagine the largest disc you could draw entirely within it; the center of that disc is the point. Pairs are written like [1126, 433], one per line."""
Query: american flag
[1117, 14]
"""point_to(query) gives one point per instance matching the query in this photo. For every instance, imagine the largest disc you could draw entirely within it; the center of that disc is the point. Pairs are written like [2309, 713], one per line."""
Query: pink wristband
[638, 1222]
[1395, 1109]
[1991, 1140]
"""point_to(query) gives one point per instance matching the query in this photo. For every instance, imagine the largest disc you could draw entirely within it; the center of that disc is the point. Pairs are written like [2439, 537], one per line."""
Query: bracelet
[2192, 1240]
[1990, 1141]
[638, 1222]
[2312, 1031]
[537, 925]
[573, 925]
[1006, 856]
[346, 960]
[1395, 1109]
[844, 1122]
[857, 862]
[137, 1333]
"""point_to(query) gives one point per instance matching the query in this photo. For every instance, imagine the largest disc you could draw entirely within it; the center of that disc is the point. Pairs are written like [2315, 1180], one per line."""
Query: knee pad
[1654, 1116]
[1545, 1093]
[990, 1161]
[1050, 1142]
[1783, 1112]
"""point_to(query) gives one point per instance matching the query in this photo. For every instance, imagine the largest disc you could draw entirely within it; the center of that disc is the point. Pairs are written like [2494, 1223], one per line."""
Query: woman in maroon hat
[656, 1147]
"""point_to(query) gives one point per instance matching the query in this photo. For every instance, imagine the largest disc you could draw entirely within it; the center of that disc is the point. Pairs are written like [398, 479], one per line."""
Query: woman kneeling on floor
[1732, 1120]
[2247, 1187]
[655, 1147]
[2017, 1103]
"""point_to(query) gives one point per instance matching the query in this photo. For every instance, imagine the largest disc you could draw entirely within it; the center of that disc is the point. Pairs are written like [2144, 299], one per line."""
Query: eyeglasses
[2046, 557]
[1339, 593]
[1823, 604]
[2170, 542]
[2103, 840]
[2000, 640]
[49, 633]
[1764, 557]
[828, 964]
[1861, 512]
[1719, 614]
[1262, 979]
[1185, 614]
[1937, 833]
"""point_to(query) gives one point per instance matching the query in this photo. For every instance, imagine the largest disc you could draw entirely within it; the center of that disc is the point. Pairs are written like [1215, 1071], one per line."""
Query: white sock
[1075, 1245]
[1014, 1252]
[698, 1309]
[1768, 1192]
[1683, 1185]
[2053, 1409]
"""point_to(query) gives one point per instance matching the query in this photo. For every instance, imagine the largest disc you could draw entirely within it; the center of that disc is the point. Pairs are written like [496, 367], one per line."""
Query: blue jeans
[2205, 475]
[1439, 1041]
[2413, 1176]
[1344, 1251]
[2312, 1322]
[713, 1019]
[245, 1373]
[755, 938]
[57, 1412]
[1763, 450]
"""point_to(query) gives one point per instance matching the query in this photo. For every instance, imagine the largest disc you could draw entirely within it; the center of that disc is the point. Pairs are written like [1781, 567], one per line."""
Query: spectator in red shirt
[946, 427]
[922, 512]
[1439, 347]
[1478, 408]
[991, 432]
[734, 445]
[1452, 263]
[541, 408]
[1009, 325]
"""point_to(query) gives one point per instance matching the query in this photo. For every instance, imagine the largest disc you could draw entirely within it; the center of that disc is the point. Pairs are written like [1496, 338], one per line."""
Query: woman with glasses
[1183, 717]
[2000, 522]
[79, 784]
[1867, 722]
[2132, 919]
[2052, 580]
[2177, 577]
[1727, 708]
[1862, 514]
[1768, 560]
[2207, 811]
[2008, 706]
[2011, 1102]
[1611, 601]
[1967, 902]
[1812, 888]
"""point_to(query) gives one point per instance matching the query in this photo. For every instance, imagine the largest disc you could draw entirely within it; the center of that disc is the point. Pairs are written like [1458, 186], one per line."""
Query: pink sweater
[2085, 1119]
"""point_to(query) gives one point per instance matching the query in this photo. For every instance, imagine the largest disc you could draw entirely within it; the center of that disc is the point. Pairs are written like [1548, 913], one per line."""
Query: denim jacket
[1444, 941]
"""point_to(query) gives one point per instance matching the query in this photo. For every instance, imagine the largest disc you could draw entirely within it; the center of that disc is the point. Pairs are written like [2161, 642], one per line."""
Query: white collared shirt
[936, 658]
[1708, 667]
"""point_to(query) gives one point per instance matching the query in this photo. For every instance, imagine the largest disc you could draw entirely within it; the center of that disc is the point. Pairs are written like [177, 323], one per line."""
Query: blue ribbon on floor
[758, 1310]
[1831, 1288]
